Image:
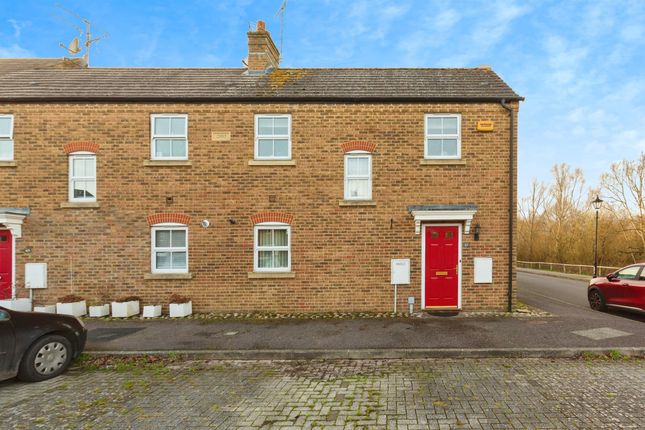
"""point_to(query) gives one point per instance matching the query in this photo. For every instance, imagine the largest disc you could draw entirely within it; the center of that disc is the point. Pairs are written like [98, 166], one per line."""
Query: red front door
[441, 266]
[6, 264]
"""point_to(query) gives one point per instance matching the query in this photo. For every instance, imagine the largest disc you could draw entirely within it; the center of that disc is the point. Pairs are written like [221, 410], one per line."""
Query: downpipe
[511, 186]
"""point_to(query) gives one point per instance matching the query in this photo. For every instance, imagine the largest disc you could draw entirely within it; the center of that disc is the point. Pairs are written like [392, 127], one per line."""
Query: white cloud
[446, 20]
[15, 51]
[17, 28]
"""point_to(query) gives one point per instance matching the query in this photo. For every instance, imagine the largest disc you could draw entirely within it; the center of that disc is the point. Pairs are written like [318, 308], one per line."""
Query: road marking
[601, 333]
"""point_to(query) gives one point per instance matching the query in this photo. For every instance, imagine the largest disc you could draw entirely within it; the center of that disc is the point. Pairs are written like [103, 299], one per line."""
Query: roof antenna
[74, 48]
[281, 13]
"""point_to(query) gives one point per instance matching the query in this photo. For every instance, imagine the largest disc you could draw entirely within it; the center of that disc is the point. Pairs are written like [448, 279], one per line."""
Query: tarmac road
[573, 326]
[565, 297]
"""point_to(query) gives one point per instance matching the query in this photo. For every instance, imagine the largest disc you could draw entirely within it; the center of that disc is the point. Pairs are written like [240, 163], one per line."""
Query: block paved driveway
[394, 394]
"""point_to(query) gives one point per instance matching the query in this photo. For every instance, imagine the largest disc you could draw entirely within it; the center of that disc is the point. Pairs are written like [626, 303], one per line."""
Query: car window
[628, 273]
[4, 315]
[642, 277]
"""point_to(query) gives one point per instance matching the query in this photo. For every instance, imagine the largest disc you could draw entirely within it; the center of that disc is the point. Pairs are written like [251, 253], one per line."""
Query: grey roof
[165, 84]
[466, 207]
[15, 211]
[10, 65]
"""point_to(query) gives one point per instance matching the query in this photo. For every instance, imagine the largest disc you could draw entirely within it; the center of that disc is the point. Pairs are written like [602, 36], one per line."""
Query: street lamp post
[596, 205]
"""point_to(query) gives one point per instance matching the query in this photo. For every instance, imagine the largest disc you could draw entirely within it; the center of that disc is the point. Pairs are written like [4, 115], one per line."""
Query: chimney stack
[263, 55]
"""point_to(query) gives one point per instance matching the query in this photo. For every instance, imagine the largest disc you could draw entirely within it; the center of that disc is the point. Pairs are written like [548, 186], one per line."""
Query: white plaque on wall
[483, 270]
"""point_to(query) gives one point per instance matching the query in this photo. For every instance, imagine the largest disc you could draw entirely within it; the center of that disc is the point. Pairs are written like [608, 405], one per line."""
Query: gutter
[511, 186]
[255, 99]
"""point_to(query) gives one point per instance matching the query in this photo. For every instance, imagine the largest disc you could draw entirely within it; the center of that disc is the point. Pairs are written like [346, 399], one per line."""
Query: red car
[624, 288]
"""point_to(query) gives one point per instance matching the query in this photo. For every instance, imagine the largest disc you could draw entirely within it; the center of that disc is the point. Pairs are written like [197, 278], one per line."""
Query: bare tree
[565, 207]
[532, 210]
[623, 187]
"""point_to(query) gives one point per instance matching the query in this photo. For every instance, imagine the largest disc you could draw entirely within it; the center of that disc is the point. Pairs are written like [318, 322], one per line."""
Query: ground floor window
[169, 249]
[272, 250]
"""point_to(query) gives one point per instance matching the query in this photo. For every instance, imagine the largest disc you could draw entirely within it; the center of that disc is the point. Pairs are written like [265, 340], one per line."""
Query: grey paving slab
[601, 333]
[343, 394]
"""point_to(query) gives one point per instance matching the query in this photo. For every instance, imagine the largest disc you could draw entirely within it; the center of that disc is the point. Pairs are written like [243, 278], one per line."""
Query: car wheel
[597, 301]
[46, 358]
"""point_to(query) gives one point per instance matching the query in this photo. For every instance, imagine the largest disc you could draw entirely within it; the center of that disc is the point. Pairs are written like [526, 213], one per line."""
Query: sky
[579, 64]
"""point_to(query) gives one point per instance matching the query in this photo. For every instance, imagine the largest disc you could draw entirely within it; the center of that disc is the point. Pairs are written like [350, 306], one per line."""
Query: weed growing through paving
[612, 354]
[158, 365]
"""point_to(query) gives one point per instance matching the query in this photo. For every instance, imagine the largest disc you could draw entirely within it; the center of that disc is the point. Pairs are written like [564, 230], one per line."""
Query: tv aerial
[281, 13]
[77, 47]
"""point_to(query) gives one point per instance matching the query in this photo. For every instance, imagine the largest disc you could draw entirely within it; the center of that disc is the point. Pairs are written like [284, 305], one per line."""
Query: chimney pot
[263, 54]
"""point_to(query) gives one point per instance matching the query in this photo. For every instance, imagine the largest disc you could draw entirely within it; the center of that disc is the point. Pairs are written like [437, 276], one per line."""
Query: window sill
[168, 276]
[272, 162]
[271, 275]
[167, 163]
[443, 162]
[79, 205]
[7, 163]
[356, 203]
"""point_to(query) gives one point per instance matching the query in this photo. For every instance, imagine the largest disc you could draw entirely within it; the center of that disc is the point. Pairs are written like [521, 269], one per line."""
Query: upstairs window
[82, 177]
[272, 251]
[443, 136]
[358, 176]
[169, 249]
[169, 137]
[6, 137]
[273, 137]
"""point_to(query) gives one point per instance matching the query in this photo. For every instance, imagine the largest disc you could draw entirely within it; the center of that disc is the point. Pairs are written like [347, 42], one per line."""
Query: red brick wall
[340, 255]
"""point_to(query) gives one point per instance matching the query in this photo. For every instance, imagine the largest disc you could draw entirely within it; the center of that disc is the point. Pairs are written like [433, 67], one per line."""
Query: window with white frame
[272, 248]
[6, 137]
[443, 136]
[169, 248]
[273, 137]
[169, 137]
[82, 177]
[358, 175]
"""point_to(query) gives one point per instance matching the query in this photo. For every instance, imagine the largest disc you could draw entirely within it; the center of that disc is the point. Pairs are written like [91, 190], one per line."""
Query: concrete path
[573, 328]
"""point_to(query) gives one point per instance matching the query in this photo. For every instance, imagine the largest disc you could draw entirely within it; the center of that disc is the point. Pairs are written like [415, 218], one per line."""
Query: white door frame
[423, 260]
[13, 260]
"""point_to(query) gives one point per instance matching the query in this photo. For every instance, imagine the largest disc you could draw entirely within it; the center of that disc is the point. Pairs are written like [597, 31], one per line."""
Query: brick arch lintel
[174, 218]
[358, 145]
[81, 146]
[282, 217]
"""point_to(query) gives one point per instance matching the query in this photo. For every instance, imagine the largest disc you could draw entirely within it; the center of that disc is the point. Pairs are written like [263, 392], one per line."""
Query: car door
[635, 291]
[623, 285]
[7, 345]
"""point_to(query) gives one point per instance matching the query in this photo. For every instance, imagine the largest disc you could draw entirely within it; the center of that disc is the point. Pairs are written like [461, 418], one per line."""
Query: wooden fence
[577, 269]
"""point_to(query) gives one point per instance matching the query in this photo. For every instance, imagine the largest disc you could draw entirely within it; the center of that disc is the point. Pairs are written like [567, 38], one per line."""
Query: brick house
[259, 188]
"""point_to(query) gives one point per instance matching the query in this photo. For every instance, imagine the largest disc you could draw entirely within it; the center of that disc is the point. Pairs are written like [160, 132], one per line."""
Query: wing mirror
[611, 277]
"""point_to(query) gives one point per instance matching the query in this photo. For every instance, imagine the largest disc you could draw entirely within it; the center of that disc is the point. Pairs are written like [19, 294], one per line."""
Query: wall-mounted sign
[483, 270]
[485, 125]
[220, 136]
[400, 271]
